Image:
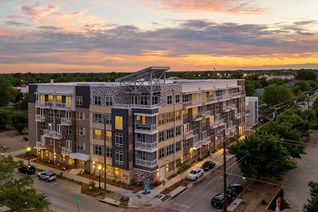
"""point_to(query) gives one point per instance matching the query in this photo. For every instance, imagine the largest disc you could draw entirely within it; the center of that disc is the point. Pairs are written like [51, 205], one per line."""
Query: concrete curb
[177, 191]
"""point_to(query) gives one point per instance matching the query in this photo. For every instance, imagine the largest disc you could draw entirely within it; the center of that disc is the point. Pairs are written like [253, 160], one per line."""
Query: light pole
[28, 153]
[99, 168]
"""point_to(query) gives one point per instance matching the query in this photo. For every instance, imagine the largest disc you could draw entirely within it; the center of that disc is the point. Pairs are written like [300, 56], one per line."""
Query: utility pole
[105, 150]
[224, 174]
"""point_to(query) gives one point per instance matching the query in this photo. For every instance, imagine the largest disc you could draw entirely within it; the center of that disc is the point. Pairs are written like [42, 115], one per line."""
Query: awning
[79, 156]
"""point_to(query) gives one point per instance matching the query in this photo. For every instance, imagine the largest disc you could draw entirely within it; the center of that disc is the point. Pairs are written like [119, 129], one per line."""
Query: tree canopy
[18, 194]
[312, 204]
[275, 94]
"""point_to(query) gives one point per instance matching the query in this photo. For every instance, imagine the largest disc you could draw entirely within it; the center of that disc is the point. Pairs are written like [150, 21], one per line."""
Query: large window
[59, 99]
[119, 141]
[97, 100]
[178, 146]
[161, 152]
[185, 98]
[169, 99]
[51, 113]
[161, 119]
[119, 123]
[108, 152]
[178, 130]
[109, 100]
[79, 100]
[185, 114]
[119, 159]
[97, 118]
[98, 150]
[170, 149]
[81, 145]
[185, 143]
[171, 166]
[161, 136]
[178, 115]
[144, 100]
[177, 97]
[68, 130]
[170, 133]
[80, 115]
[58, 114]
[108, 135]
[108, 118]
[80, 131]
[170, 117]
[98, 134]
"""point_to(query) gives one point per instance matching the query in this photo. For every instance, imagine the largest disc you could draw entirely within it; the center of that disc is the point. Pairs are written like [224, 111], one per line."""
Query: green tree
[275, 94]
[312, 204]
[19, 121]
[18, 194]
[7, 92]
[249, 88]
[4, 117]
[306, 75]
[262, 156]
[182, 167]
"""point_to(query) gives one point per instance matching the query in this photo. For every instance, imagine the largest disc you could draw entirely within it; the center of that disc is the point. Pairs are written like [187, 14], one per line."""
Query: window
[118, 122]
[171, 166]
[185, 114]
[68, 130]
[98, 150]
[170, 133]
[169, 117]
[119, 141]
[80, 115]
[108, 152]
[161, 136]
[58, 114]
[80, 131]
[169, 99]
[50, 98]
[178, 130]
[97, 118]
[161, 119]
[154, 100]
[97, 100]
[178, 115]
[42, 125]
[108, 118]
[109, 100]
[185, 143]
[177, 98]
[170, 149]
[108, 135]
[161, 152]
[51, 113]
[97, 134]
[51, 141]
[144, 100]
[81, 145]
[119, 157]
[79, 100]
[59, 99]
[178, 146]
[185, 98]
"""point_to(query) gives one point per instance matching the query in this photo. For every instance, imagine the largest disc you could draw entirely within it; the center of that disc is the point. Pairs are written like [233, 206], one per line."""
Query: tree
[312, 204]
[262, 156]
[7, 92]
[249, 88]
[182, 167]
[306, 75]
[19, 121]
[18, 194]
[4, 117]
[275, 94]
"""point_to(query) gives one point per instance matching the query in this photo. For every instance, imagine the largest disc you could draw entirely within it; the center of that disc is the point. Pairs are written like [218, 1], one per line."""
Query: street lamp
[99, 168]
[28, 153]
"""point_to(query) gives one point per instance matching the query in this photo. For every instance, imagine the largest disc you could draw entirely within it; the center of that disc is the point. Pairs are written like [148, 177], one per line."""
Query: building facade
[143, 124]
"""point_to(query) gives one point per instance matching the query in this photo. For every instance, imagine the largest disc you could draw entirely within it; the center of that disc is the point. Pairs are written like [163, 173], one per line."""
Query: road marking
[185, 206]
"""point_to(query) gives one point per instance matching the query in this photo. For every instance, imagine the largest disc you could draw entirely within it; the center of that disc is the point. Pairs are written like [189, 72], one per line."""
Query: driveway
[296, 185]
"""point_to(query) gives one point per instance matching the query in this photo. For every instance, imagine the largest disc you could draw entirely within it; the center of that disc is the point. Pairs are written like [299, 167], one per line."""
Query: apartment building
[143, 124]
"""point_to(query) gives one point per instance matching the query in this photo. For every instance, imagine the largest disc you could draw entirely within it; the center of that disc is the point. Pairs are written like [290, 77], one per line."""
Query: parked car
[218, 200]
[26, 169]
[207, 165]
[195, 174]
[234, 189]
[47, 175]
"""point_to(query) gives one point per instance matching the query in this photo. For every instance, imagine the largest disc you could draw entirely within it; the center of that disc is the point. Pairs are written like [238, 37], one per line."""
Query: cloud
[228, 6]
[36, 11]
[49, 28]
[16, 23]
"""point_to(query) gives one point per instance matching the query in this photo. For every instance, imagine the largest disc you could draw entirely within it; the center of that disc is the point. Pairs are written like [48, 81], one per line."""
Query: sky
[129, 35]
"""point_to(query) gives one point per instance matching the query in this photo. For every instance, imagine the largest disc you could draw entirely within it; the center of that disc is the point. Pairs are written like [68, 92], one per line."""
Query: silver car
[47, 175]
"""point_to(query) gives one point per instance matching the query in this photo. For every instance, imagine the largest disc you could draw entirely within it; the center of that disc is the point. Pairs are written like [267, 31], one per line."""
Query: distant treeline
[17, 79]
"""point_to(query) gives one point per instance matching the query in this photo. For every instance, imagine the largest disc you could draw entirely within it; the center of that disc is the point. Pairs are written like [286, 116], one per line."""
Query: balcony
[43, 104]
[52, 134]
[148, 129]
[188, 134]
[39, 145]
[197, 145]
[146, 163]
[206, 140]
[194, 103]
[198, 117]
[136, 106]
[229, 107]
[207, 114]
[146, 146]
[66, 151]
[58, 105]
[217, 123]
[66, 121]
[213, 99]
[39, 118]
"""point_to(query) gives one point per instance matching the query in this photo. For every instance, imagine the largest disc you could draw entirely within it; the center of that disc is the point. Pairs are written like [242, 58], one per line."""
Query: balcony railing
[136, 106]
[146, 163]
[52, 134]
[39, 118]
[40, 144]
[145, 128]
[66, 151]
[207, 114]
[146, 146]
[188, 134]
[206, 140]
[198, 117]
[43, 104]
[66, 121]
[56, 105]
[197, 145]
[59, 105]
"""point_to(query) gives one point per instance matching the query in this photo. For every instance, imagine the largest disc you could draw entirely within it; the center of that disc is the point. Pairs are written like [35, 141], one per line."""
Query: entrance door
[162, 174]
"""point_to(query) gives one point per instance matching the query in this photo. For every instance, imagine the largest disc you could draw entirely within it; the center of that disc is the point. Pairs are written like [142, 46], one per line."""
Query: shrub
[92, 185]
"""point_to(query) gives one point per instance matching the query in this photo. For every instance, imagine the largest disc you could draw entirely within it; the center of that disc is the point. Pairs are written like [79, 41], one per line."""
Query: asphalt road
[62, 195]
[198, 196]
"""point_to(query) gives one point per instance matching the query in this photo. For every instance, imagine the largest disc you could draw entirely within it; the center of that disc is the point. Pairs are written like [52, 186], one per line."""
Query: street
[63, 195]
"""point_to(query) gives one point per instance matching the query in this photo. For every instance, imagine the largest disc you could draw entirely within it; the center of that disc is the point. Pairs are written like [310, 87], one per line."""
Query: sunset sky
[129, 35]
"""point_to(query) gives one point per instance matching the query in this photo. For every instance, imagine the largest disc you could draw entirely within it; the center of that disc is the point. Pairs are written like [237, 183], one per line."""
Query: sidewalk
[139, 199]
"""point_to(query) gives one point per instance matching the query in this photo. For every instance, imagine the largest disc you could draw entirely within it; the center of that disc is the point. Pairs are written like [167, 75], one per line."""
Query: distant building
[251, 111]
[150, 123]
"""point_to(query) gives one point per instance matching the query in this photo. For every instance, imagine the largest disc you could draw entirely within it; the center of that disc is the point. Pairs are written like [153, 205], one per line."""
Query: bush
[92, 185]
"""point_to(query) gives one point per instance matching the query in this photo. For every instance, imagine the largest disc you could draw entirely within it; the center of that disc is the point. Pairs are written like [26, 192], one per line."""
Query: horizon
[102, 36]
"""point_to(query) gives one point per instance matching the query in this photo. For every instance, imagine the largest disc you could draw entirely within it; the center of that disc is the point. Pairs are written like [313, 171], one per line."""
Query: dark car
[234, 189]
[218, 200]
[207, 165]
[47, 176]
[26, 169]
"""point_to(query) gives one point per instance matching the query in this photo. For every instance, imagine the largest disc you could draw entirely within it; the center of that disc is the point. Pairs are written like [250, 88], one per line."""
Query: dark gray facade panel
[32, 90]
[125, 132]
[83, 91]
[146, 111]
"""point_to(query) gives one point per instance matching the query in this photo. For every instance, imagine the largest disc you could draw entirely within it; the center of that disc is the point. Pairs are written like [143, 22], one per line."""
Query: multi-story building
[251, 111]
[148, 123]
